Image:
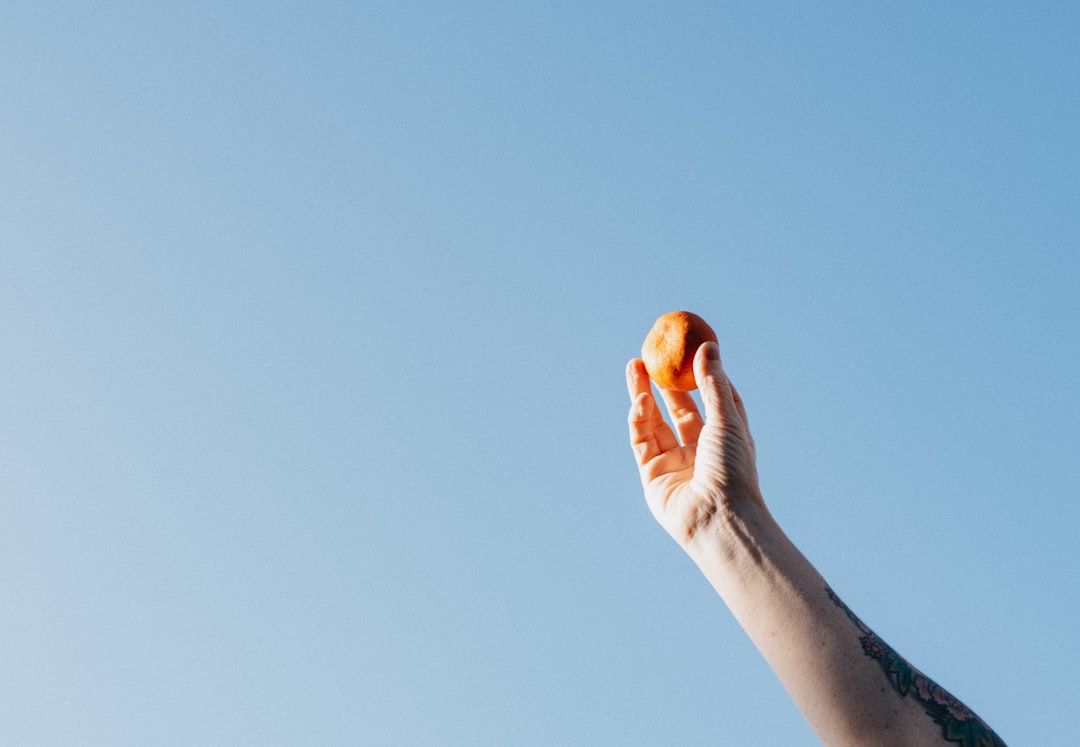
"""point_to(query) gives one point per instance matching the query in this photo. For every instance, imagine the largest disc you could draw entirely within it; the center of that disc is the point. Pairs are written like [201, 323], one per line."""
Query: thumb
[716, 393]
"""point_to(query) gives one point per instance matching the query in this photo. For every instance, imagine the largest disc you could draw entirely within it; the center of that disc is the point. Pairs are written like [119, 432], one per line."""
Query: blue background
[313, 322]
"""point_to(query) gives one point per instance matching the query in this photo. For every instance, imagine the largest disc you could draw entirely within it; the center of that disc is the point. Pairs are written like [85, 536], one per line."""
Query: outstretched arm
[701, 484]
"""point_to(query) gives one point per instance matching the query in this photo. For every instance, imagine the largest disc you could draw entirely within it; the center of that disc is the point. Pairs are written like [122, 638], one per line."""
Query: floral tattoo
[958, 723]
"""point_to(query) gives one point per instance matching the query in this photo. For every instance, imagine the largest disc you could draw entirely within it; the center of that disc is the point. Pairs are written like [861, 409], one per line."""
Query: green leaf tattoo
[958, 723]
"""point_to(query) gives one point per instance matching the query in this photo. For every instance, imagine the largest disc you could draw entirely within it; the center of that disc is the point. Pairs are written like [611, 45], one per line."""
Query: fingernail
[712, 351]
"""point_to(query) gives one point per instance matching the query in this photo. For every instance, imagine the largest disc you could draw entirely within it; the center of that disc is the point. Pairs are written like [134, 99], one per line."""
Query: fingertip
[706, 362]
[711, 379]
[710, 351]
[637, 378]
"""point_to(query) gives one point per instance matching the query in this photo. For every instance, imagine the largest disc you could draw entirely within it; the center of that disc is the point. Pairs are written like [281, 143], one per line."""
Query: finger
[684, 414]
[638, 382]
[642, 431]
[740, 407]
[643, 415]
[637, 378]
[716, 391]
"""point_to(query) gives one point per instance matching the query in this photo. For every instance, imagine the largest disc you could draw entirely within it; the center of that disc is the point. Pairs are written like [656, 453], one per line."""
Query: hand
[710, 467]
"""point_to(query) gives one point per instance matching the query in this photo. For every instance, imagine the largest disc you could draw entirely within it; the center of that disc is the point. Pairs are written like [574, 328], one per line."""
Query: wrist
[738, 539]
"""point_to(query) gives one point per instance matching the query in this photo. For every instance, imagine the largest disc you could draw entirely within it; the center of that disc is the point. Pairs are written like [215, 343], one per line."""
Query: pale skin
[700, 480]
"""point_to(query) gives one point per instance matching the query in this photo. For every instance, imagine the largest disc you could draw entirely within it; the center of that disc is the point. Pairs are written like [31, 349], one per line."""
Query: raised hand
[698, 468]
[701, 484]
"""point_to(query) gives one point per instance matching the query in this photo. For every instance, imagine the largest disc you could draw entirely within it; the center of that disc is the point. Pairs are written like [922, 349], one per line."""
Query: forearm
[702, 488]
[851, 688]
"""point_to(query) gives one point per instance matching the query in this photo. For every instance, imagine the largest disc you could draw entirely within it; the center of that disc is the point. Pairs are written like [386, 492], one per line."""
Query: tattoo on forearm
[958, 723]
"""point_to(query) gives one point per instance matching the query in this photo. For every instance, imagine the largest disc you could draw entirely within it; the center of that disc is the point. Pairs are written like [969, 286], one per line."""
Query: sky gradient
[314, 322]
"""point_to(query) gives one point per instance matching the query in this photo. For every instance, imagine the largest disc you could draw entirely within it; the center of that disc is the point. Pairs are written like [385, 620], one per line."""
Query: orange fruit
[670, 346]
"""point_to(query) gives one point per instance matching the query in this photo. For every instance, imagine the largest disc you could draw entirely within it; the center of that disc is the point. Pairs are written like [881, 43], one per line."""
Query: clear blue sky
[313, 324]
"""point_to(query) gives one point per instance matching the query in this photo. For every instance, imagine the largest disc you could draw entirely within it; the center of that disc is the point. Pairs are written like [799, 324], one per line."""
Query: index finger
[684, 414]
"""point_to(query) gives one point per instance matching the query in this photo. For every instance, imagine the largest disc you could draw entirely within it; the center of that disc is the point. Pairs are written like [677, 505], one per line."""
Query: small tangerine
[670, 346]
